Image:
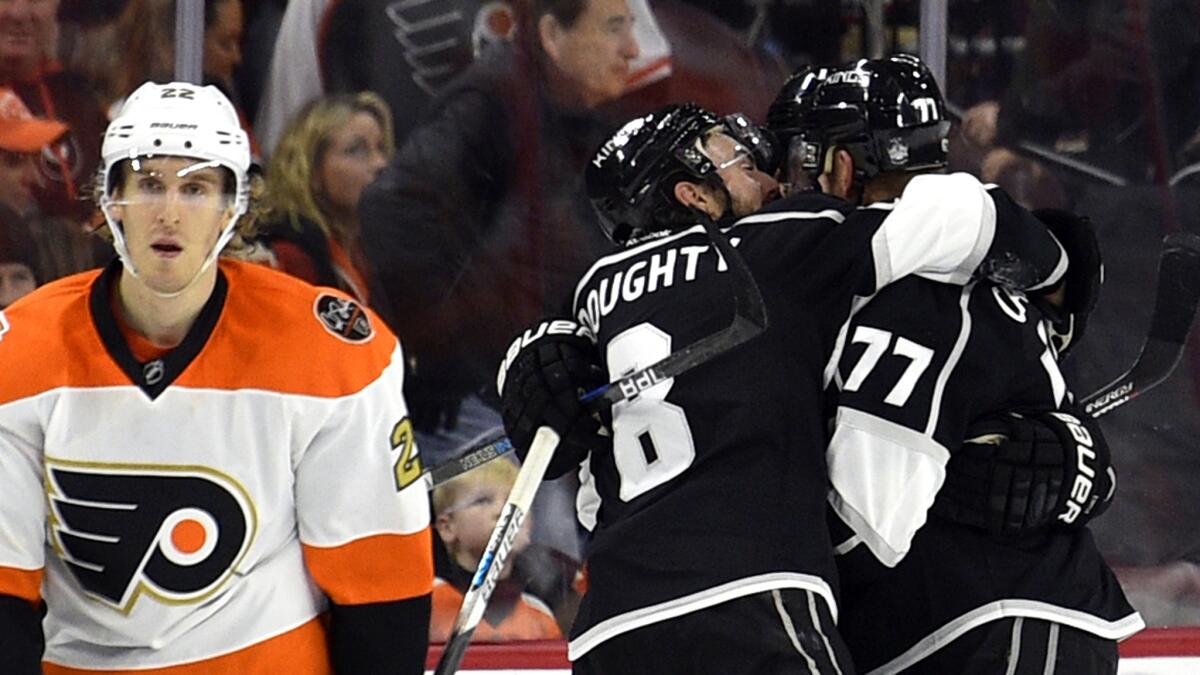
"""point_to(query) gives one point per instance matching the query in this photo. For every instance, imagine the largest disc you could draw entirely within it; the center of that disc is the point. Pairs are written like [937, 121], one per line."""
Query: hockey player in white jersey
[208, 466]
[1002, 577]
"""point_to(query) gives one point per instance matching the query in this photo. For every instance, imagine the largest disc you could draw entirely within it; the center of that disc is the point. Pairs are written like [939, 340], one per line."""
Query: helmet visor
[758, 140]
[160, 181]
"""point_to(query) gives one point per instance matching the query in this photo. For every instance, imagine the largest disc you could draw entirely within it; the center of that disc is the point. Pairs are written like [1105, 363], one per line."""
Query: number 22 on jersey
[652, 442]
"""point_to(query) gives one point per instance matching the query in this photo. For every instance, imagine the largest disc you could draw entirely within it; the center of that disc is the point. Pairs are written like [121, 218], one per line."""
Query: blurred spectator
[263, 20]
[480, 222]
[294, 72]
[224, 22]
[22, 138]
[333, 148]
[89, 11]
[711, 65]
[60, 246]
[145, 31]
[18, 260]
[801, 32]
[465, 512]
[28, 35]
[404, 51]
[141, 48]
[1115, 83]
[407, 51]
[985, 40]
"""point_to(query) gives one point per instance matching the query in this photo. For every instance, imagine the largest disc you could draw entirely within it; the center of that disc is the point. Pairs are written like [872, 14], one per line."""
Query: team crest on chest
[344, 318]
[176, 533]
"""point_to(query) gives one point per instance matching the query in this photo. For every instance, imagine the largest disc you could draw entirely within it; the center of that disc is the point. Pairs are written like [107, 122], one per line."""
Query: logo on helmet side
[897, 152]
[847, 77]
[619, 140]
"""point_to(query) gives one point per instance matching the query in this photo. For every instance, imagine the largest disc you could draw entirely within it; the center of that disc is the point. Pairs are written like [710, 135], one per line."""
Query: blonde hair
[498, 472]
[289, 189]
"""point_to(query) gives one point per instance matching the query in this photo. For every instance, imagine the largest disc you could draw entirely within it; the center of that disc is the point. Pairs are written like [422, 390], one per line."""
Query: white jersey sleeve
[362, 509]
[23, 508]
[944, 226]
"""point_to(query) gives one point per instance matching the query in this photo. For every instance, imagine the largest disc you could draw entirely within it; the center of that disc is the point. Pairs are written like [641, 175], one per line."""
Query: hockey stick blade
[491, 448]
[749, 320]
[1175, 303]
[491, 564]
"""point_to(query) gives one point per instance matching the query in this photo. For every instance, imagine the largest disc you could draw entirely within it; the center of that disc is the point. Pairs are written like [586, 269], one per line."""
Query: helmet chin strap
[127, 260]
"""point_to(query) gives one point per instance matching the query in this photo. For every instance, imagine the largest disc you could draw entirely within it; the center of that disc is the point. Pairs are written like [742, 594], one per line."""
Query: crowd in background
[426, 158]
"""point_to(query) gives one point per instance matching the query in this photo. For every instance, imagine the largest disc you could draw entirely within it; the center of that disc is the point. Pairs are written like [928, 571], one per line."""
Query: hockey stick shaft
[1046, 154]
[491, 564]
[749, 320]
[493, 447]
[1175, 302]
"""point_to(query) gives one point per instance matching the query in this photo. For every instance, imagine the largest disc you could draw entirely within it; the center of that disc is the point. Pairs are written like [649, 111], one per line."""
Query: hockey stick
[1174, 308]
[749, 320]
[495, 446]
[499, 545]
[1029, 148]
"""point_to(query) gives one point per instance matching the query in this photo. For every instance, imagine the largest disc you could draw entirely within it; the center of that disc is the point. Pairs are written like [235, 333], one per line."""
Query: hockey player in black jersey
[995, 573]
[709, 550]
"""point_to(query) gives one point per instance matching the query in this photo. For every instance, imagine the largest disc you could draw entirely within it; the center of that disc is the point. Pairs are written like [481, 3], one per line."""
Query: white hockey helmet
[183, 120]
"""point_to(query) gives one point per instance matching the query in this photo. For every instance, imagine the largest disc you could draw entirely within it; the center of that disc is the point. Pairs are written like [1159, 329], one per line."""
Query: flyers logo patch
[123, 530]
[3, 325]
[344, 318]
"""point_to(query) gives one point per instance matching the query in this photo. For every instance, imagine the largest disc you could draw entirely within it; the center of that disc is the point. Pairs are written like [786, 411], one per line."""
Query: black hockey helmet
[786, 116]
[631, 179]
[887, 113]
[761, 143]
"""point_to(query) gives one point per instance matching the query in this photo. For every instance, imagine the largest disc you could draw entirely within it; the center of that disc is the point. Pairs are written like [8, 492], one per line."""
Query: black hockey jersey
[716, 485]
[915, 365]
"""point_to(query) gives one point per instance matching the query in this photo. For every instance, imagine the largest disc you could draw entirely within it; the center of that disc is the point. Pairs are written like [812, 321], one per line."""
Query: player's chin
[166, 278]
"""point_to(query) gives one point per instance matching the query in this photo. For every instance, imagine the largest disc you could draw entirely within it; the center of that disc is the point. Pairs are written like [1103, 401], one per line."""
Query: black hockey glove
[541, 378]
[1017, 474]
[1082, 282]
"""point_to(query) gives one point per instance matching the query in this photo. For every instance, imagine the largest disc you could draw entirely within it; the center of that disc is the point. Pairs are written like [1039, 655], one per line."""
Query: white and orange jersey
[195, 512]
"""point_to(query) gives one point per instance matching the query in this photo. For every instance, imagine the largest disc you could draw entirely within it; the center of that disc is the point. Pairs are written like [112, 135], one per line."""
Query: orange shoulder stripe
[271, 337]
[25, 584]
[300, 651]
[380, 568]
[47, 341]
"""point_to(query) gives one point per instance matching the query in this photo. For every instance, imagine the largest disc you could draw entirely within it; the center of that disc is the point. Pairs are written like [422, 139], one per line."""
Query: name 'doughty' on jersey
[661, 270]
